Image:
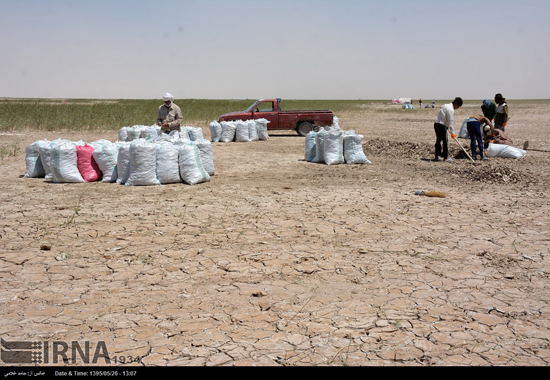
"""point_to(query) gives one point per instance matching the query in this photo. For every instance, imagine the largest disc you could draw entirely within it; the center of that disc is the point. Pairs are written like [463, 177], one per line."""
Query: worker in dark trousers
[444, 123]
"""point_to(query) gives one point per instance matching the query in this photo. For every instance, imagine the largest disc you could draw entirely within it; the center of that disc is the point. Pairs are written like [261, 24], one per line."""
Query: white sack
[252, 130]
[241, 131]
[150, 133]
[463, 133]
[192, 170]
[123, 134]
[215, 131]
[105, 155]
[46, 156]
[333, 145]
[228, 131]
[353, 150]
[195, 133]
[64, 164]
[310, 146]
[505, 151]
[168, 170]
[143, 164]
[261, 125]
[207, 156]
[134, 132]
[335, 124]
[319, 156]
[123, 162]
[35, 168]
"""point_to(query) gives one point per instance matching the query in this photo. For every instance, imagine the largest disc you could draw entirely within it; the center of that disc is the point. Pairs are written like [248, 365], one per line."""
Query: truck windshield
[249, 109]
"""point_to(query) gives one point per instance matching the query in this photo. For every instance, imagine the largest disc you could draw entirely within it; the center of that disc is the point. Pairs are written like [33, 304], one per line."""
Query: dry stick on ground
[77, 207]
[302, 308]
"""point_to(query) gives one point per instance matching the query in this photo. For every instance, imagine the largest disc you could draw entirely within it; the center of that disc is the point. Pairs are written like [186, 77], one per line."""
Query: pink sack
[86, 164]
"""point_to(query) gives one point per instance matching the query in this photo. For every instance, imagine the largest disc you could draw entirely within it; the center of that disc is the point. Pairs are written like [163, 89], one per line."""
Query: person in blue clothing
[474, 124]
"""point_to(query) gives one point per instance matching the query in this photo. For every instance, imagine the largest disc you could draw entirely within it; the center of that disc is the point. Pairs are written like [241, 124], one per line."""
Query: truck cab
[270, 109]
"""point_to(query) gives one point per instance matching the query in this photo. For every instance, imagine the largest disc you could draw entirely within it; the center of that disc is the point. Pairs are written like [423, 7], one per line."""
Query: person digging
[473, 125]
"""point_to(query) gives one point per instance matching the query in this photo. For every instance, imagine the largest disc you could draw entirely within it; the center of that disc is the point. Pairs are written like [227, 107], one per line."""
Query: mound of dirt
[403, 149]
[495, 174]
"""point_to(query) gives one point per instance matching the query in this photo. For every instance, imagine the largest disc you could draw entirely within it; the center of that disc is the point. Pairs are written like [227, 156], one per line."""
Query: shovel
[468, 154]
[526, 147]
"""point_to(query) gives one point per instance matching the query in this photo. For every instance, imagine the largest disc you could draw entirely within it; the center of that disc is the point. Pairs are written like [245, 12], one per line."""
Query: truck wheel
[304, 128]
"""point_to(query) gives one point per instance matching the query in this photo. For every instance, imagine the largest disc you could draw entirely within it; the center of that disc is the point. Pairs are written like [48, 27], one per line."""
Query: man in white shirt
[444, 122]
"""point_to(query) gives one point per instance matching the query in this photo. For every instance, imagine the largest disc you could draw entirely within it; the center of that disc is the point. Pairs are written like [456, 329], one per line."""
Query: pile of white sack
[239, 130]
[158, 159]
[334, 146]
[153, 132]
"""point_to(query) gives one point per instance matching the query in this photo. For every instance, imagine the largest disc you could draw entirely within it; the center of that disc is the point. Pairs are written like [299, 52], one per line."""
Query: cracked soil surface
[279, 261]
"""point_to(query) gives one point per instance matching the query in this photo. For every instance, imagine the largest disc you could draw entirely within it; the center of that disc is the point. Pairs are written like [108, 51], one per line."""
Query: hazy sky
[300, 49]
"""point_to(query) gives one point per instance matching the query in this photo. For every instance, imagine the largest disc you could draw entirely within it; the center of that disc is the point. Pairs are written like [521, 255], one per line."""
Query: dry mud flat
[278, 261]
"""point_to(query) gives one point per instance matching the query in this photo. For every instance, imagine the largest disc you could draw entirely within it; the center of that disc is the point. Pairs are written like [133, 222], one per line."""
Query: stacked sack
[151, 160]
[139, 131]
[334, 146]
[239, 130]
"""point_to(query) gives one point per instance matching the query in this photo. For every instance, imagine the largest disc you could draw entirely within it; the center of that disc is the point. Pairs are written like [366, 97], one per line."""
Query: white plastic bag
[215, 131]
[123, 134]
[241, 131]
[505, 151]
[150, 133]
[335, 123]
[123, 162]
[261, 126]
[252, 130]
[64, 164]
[310, 146]
[353, 149]
[319, 156]
[195, 133]
[228, 131]
[333, 144]
[463, 133]
[167, 163]
[105, 155]
[134, 132]
[207, 156]
[192, 170]
[143, 164]
[33, 162]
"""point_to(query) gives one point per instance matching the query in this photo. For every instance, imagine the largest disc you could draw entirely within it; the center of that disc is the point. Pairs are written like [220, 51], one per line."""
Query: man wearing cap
[489, 109]
[169, 115]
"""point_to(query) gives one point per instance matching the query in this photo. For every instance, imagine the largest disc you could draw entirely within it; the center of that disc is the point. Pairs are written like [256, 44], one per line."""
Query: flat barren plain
[281, 262]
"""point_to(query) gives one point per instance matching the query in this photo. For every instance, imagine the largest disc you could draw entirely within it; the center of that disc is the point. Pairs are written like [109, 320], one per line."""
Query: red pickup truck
[270, 109]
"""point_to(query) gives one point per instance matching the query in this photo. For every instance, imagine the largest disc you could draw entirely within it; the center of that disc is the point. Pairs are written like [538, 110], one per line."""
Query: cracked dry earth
[278, 261]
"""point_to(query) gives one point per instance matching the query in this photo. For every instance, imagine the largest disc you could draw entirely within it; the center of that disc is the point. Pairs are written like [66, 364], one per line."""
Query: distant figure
[169, 115]
[420, 103]
[501, 117]
[444, 123]
[433, 103]
[489, 109]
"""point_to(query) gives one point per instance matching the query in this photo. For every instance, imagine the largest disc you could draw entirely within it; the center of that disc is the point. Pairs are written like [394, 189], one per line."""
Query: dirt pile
[403, 149]
[495, 174]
